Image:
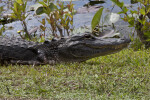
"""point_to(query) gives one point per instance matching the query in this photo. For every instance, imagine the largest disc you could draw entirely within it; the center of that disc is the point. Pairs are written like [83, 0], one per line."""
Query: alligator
[77, 48]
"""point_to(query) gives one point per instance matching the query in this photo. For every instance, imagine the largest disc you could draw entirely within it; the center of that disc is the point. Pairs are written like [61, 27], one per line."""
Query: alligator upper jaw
[108, 43]
[115, 47]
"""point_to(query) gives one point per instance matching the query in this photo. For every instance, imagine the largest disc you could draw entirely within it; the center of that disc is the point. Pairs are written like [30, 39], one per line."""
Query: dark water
[79, 19]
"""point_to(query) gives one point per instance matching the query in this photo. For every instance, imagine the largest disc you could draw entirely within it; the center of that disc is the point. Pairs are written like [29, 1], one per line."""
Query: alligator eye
[87, 36]
[46, 42]
[54, 39]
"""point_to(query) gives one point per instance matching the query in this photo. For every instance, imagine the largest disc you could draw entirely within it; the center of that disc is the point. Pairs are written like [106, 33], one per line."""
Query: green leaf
[40, 10]
[125, 9]
[148, 9]
[131, 21]
[24, 6]
[52, 6]
[47, 10]
[133, 11]
[15, 7]
[19, 1]
[147, 34]
[141, 1]
[118, 3]
[42, 39]
[143, 21]
[42, 3]
[142, 11]
[45, 1]
[134, 1]
[96, 18]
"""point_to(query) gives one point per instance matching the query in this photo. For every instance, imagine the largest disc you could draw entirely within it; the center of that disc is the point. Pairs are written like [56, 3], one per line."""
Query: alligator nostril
[128, 40]
[87, 36]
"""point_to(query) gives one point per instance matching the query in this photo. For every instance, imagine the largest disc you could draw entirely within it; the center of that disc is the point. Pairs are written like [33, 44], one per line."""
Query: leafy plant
[136, 44]
[43, 27]
[2, 29]
[19, 12]
[1, 22]
[96, 19]
[141, 22]
[58, 18]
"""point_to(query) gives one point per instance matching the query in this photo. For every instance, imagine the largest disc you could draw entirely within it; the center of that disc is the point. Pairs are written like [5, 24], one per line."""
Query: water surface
[79, 19]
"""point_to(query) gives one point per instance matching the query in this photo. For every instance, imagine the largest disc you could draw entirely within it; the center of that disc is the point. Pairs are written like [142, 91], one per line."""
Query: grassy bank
[124, 75]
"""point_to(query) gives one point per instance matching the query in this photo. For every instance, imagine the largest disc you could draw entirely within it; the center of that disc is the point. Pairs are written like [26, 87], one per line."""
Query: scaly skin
[74, 49]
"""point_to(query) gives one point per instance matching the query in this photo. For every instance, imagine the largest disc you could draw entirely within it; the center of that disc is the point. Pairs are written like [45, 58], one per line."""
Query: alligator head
[83, 47]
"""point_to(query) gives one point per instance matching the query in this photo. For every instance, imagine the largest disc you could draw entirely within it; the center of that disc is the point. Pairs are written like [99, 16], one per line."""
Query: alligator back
[14, 49]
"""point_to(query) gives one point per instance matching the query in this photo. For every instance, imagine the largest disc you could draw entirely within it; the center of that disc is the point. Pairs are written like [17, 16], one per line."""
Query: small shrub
[141, 22]
[19, 12]
[137, 44]
[59, 18]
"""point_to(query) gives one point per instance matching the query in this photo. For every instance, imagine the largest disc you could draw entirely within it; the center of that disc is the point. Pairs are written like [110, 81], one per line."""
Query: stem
[148, 15]
[67, 32]
[25, 29]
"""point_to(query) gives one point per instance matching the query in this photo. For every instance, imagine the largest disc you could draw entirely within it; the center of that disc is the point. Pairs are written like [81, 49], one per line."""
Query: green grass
[124, 75]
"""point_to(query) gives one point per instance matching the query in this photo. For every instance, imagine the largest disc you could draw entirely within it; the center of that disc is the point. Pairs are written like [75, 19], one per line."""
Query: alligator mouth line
[108, 46]
[114, 47]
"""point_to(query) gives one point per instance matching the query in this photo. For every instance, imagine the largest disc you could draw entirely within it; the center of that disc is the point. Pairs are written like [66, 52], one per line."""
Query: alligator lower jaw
[115, 47]
[97, 51]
